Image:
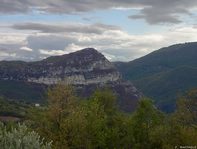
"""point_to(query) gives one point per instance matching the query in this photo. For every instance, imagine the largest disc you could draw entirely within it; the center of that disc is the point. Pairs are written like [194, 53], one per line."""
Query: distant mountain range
[164, 74]
[86, 69]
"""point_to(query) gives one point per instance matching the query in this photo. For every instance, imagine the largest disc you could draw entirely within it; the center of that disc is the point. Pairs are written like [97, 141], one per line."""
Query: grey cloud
[159, 14]
[68, 28]
[90, 18]
[9, 47]
[36, 44]
[14, 52]
[49, 42]
[168, 11]
[17, 52]
[157, 18]
[153, 11]
[17, 6]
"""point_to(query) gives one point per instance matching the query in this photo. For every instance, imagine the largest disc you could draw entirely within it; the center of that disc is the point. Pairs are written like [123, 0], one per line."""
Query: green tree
[179, 128]
[91, 118]
[113, 130]
[49, 121]
[144, 121]
[97, 123]
[186, 111]
[185, 120]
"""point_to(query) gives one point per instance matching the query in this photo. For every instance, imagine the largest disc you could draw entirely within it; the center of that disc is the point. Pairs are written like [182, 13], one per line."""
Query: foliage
[48, 121]
[20, 137]
[144, 121]
[12, 108]
[98, 123]
[22, 91]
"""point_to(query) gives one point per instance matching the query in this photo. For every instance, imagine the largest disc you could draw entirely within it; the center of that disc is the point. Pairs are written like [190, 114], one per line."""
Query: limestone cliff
[86, 69]
[83, 67]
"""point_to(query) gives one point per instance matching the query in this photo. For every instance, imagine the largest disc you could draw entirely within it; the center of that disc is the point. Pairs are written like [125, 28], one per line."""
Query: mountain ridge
[155, 73]
[86, 69]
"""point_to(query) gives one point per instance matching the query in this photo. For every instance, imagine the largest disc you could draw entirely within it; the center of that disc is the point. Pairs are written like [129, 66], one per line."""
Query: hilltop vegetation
[165, 74]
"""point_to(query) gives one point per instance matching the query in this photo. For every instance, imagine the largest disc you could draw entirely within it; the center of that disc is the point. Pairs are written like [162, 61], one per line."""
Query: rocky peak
[86, 69]
[86, 66]
[85, 56]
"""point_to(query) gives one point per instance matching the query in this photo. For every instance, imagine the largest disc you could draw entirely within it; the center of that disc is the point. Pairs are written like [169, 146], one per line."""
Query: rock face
[86, 70]
[83, 67]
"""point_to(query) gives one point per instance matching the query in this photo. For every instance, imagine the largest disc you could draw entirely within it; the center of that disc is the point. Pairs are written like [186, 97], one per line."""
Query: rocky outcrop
[86, 70]
[84, 67]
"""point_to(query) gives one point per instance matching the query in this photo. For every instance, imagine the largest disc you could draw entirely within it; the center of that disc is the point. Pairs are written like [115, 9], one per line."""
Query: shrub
[21, 138]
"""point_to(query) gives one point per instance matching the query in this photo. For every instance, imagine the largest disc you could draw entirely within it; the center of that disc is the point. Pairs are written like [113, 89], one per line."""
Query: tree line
[97, 123]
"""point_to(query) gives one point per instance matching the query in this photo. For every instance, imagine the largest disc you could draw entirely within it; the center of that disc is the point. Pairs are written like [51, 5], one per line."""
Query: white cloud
[52, 52]
[72, 47]
[26, 49]
[12, 38]
[117, 45]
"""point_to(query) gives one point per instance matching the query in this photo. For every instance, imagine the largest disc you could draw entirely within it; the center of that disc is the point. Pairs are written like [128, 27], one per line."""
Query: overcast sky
[122, 30]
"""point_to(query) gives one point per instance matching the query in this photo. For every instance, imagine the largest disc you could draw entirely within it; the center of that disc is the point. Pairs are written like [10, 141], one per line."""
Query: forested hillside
[164, 74]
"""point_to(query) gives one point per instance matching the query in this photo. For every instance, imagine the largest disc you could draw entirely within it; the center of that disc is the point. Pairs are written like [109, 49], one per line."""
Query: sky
[122, 30]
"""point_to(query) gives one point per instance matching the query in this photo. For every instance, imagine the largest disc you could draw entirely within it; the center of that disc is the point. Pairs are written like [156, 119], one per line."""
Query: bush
[21, 138]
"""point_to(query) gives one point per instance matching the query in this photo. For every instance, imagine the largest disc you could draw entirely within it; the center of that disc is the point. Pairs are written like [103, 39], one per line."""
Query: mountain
[83, 67]
[86, 69]
[164, 74]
